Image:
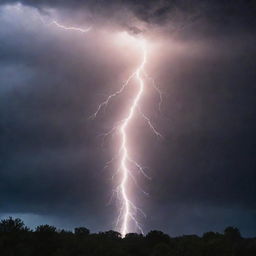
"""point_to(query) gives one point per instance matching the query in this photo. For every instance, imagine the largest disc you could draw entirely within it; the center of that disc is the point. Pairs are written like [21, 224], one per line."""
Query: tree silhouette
[81, 232]
[232, 233]
[17, 240]
[12, 225]
[154, 237]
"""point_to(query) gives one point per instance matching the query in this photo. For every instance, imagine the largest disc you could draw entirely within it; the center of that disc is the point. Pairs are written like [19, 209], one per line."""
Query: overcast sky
[202, 56]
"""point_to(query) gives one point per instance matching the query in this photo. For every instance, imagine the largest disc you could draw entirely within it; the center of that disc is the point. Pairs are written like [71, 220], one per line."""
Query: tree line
[17, 240]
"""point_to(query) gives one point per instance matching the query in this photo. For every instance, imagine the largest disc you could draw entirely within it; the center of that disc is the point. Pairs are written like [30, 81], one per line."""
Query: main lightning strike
[124, 148]
[128, 209]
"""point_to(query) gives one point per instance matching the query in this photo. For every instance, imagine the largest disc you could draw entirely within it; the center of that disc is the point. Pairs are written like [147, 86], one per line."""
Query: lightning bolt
[128, 210]
[124, 147]
[61, 26]
[82, 30]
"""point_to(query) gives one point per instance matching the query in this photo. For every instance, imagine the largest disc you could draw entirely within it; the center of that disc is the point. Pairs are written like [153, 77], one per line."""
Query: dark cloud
[203, 171]
[178, 14]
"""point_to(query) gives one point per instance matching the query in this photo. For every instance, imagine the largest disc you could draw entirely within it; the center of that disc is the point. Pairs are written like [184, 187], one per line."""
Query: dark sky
[52, 159]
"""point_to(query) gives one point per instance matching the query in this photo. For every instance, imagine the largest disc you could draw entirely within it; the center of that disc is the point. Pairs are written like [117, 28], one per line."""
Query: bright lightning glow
[128, 209]
[124, 148]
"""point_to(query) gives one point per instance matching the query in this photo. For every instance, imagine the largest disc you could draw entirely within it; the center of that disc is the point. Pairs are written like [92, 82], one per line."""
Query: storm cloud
[52, 159]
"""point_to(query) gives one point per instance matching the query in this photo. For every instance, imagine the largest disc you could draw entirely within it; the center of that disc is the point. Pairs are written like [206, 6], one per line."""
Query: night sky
[204, 60]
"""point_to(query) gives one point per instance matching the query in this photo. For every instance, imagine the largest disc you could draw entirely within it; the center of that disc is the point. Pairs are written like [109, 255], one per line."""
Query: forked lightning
[128, 210]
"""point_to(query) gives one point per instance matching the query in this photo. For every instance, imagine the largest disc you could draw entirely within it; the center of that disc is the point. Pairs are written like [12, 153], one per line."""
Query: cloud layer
[51, 81]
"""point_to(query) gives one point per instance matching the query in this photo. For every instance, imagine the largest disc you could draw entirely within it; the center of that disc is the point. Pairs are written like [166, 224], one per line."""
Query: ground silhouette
[16, 239]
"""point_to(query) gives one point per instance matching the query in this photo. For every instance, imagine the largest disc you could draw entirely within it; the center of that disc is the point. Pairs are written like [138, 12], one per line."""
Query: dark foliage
[16, 239]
